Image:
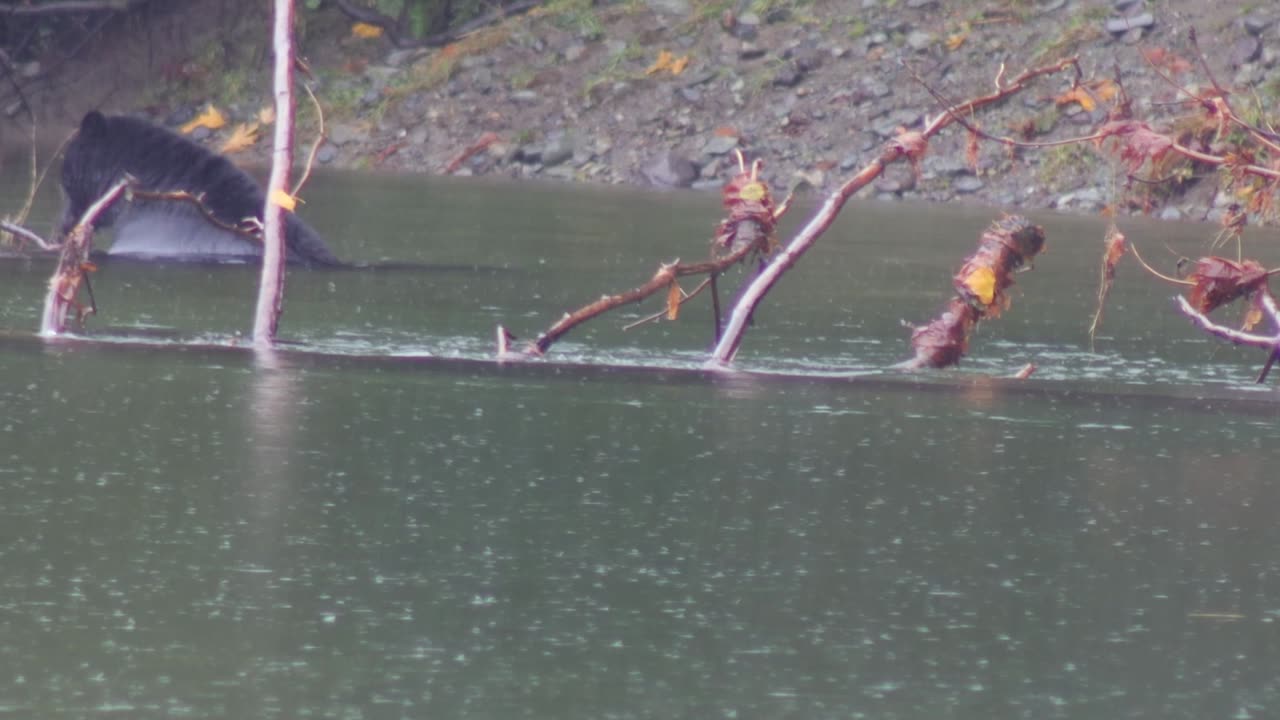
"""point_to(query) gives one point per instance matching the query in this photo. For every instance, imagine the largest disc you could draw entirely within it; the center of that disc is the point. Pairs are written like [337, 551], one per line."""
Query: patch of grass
[1065, 161]
[1082, 27]
[436, 69]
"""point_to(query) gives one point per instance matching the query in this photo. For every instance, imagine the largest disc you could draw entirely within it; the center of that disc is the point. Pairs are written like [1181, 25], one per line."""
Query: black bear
[105, 149]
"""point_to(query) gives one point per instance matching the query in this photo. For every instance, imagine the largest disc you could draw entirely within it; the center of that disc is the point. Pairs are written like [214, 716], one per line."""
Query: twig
[315, 145]
[666, 274]
[25, 234]
[1239, 337]
[658, 315]
[1141, 261]
[54, 7]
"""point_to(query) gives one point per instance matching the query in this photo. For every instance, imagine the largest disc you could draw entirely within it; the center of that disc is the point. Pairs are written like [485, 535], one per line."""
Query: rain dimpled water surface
[380, 523]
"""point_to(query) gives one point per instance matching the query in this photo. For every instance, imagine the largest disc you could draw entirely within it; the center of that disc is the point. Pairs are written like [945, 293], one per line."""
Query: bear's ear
[93, 124]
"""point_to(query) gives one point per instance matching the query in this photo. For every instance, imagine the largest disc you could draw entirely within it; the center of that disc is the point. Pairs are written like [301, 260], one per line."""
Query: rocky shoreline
[663, 92]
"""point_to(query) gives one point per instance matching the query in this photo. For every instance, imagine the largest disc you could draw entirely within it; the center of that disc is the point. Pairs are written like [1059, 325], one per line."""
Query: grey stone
[700, 77]
[788, 76]
[806, 59]
[1254, 24]
[201, 133]
[720, 145]
[689, 95]
[524, 96]
[778, 15]
[1118, 25]
[967, 185]
[669, 7]
[1170, 213]
[919, 40]
[326, 154]
[557, 149]
[751, 51]
[921, 4]
[670, 169]
[574, 52]
[1245, 50]
[342, 133]
[896, 179]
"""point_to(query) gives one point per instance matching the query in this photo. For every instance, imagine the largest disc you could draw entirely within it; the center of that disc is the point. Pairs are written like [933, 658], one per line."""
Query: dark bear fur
[107, 148]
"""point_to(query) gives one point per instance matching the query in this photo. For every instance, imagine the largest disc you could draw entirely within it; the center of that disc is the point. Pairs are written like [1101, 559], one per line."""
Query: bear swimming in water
[106, 148]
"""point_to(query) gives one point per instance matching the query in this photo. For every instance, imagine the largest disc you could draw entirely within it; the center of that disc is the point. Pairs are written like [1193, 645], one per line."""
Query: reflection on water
[192, 531]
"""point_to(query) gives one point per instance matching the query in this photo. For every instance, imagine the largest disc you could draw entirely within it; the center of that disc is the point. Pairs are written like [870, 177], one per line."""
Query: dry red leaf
[1136, 142]
[1218, 281]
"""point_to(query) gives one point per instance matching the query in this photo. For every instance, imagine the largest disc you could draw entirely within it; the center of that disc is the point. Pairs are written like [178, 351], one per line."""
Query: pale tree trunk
[271, 287]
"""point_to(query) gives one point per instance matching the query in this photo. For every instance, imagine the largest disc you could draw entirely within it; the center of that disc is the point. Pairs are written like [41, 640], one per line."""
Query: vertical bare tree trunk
[271, 287]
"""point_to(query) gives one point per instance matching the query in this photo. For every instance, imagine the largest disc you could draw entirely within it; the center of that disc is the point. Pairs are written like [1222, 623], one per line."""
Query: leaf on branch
[211, 117]
[674, 296]
[284, 200]
[1114, 247]
[242, 137]
[365, 31]
[1137, 142]
[751, 216]
[1218, 281]
[982, 283]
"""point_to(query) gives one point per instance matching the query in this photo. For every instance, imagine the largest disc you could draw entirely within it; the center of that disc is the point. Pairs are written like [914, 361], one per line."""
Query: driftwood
[910, 146]
[981, 292]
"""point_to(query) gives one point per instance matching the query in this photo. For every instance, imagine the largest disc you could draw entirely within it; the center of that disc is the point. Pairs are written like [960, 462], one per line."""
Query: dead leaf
[211, 117]
[668, 63]
[267, 115]
[1077, 95]
[365, 31]
[674, 296]
[284, 200]
[243, 137]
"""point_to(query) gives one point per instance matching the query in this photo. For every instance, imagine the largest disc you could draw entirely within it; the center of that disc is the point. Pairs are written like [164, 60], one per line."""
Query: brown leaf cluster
[1218, 281]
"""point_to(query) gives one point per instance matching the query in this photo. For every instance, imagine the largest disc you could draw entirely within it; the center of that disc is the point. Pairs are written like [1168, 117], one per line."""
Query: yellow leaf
[266, 115]
[1252, 317]
[1077, 95]
[211, 117]
[244, 136]
[284, 200]
[674, 296]
[364, 31]
[982, 283]
[955, 41]
[753, 192]
[1106, 90]
[679, 64]
[662, 63]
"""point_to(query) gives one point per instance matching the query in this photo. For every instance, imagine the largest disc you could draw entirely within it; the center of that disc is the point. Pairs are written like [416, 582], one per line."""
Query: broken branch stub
[981, 292]
[73, 264]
